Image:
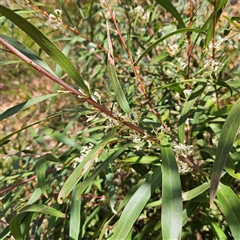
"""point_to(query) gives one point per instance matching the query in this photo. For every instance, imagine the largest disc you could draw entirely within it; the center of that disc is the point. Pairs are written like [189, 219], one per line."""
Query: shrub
[140, 138]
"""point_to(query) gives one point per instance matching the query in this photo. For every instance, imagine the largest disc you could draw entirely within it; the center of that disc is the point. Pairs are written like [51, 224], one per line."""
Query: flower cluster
[55, 20]
[143, 15]
[185, 151]
[139, 11]
[102, 3]
[213, 65]
[83, 153]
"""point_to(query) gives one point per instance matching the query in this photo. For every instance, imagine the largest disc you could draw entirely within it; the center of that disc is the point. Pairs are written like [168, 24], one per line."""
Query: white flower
[149, 143]
[212, 65]
[102, 3]
[146, 16]
[182, 63]
[183, 150]
[59, 167]
[173, 49]
[138, 147]
[183, 167]
[187, 92]
[83, 153]
[55, 21]
[58, 12]
[139, 11]
[138, 53]
[137, 140]
[188, 121]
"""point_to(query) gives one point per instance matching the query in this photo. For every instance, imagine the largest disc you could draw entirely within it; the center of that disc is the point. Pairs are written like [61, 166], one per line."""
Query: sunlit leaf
[195, 192]
[230, 206]
[22, 106]
[171, 9]
[75, 215]
[228, 134]
[136, 205]
[40, 208]
[41, 167]
[172, 207]
[121, 98]
[27, 52]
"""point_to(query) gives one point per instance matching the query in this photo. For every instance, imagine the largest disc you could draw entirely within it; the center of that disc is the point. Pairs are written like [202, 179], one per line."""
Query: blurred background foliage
[37, 160]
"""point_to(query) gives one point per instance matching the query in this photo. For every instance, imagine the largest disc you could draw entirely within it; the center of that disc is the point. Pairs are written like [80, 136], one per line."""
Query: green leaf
[5, 139]
[184, 30]
[171, 9]
[142, 160]
[172, 207]
[120, 96]
[12, 202]
[208, 25]
[40, 168]
[40, 208]
[81, 169]
[75, 215]
[35, 196]
[47, 45]
[7, 62]
[15, 228]
[27, 52]
[186, 196]
[22, 106]
[228, 134]
[88, 220]
[61, 138]
[214, 226]
[188, 211]
[230, 206]
[136, 204]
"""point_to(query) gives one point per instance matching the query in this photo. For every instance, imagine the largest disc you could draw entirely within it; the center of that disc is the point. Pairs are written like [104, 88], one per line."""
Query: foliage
[139, 138]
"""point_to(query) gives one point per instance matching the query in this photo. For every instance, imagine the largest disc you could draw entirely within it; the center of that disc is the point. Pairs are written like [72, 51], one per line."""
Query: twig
[137, 74]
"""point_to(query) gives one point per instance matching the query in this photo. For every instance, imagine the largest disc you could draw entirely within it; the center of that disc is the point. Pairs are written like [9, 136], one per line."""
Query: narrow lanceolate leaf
[172, 207]
[230, 206]
[40, 208]
[228, 134]
[15, 228]
[83, 167]
[136, 204]
[121, 98]
[75, 216]
[27, 52]
[22, 106]
[61, 138]
[47, 45]
[41, 167]
[171, 9]
[187, 196]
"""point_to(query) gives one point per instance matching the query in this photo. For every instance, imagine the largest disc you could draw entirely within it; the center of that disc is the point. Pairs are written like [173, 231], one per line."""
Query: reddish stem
[137, 74]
